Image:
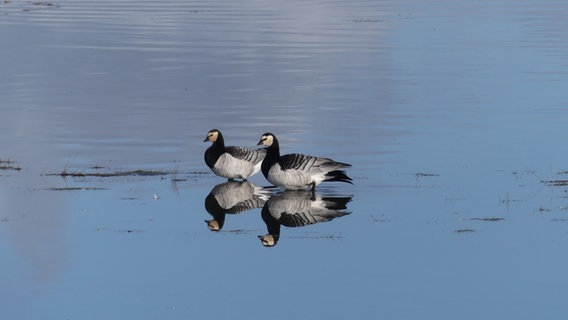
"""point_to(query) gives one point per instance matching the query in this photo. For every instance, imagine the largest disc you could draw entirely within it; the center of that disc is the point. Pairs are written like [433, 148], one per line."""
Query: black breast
[212, 154]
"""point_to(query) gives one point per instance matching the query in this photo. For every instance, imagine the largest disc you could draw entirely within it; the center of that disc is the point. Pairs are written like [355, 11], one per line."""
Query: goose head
[212, 135]
[267, 139]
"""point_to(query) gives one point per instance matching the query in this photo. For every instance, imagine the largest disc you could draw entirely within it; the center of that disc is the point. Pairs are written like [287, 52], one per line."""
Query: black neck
[272, 156]
[220, 142]
[215, 151]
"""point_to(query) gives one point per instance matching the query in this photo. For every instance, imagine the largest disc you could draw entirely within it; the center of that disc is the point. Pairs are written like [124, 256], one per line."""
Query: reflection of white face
[267, 140]
[213, 225]
[212, 136]
[268, 240]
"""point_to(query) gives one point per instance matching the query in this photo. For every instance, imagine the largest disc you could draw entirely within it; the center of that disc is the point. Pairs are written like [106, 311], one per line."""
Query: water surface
[452, 114]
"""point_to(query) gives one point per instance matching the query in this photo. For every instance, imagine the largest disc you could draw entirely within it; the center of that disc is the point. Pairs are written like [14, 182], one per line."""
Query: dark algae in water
[9, 165]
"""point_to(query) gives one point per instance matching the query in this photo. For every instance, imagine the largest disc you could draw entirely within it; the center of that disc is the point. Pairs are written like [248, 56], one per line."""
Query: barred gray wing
[296, 161]
[252, 156]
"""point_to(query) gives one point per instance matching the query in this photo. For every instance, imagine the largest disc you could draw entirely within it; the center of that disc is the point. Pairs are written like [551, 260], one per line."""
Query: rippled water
[452, 113]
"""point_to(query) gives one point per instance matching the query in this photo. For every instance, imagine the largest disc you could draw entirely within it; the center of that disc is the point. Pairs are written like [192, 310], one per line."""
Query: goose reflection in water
[298, 209]
[233, 197]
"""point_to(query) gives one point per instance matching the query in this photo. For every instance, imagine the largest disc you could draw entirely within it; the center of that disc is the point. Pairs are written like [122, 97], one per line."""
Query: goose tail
[338, 175]
[336, 203]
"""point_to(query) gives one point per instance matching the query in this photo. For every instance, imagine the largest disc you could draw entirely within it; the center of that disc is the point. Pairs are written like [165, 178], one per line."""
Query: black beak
[259, 143]
[206, 139]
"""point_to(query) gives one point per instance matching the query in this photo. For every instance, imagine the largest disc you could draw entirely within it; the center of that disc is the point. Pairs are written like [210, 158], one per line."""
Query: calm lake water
[452, 113]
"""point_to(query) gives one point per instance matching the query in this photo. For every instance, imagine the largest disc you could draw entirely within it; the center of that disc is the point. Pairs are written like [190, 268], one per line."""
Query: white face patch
[267, 140]
[212, 136]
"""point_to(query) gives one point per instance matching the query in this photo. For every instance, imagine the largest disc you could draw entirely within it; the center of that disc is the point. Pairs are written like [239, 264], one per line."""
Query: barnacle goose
[298, 171]
[231, 162]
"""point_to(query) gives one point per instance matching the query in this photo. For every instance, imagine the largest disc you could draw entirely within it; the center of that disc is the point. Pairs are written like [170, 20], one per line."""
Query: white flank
[229, 167]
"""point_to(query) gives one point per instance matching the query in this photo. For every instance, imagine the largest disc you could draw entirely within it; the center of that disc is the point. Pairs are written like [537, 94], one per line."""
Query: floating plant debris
[66, 173]
[96, 171]
[487, 219]
[464, 230]
[75, 189]
[556, 183]
[423, 174]
[9, 165]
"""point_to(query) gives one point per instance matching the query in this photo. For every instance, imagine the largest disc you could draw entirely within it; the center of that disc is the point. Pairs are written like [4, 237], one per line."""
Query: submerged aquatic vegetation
[424, 174]
[556, 183]
[490, 219]
[120, 173]
[138, 172]
[75, 188]
[465, 230]
[9, 165]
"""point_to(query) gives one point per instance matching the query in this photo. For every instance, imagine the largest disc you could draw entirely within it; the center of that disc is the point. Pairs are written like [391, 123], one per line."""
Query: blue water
[452, 113]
